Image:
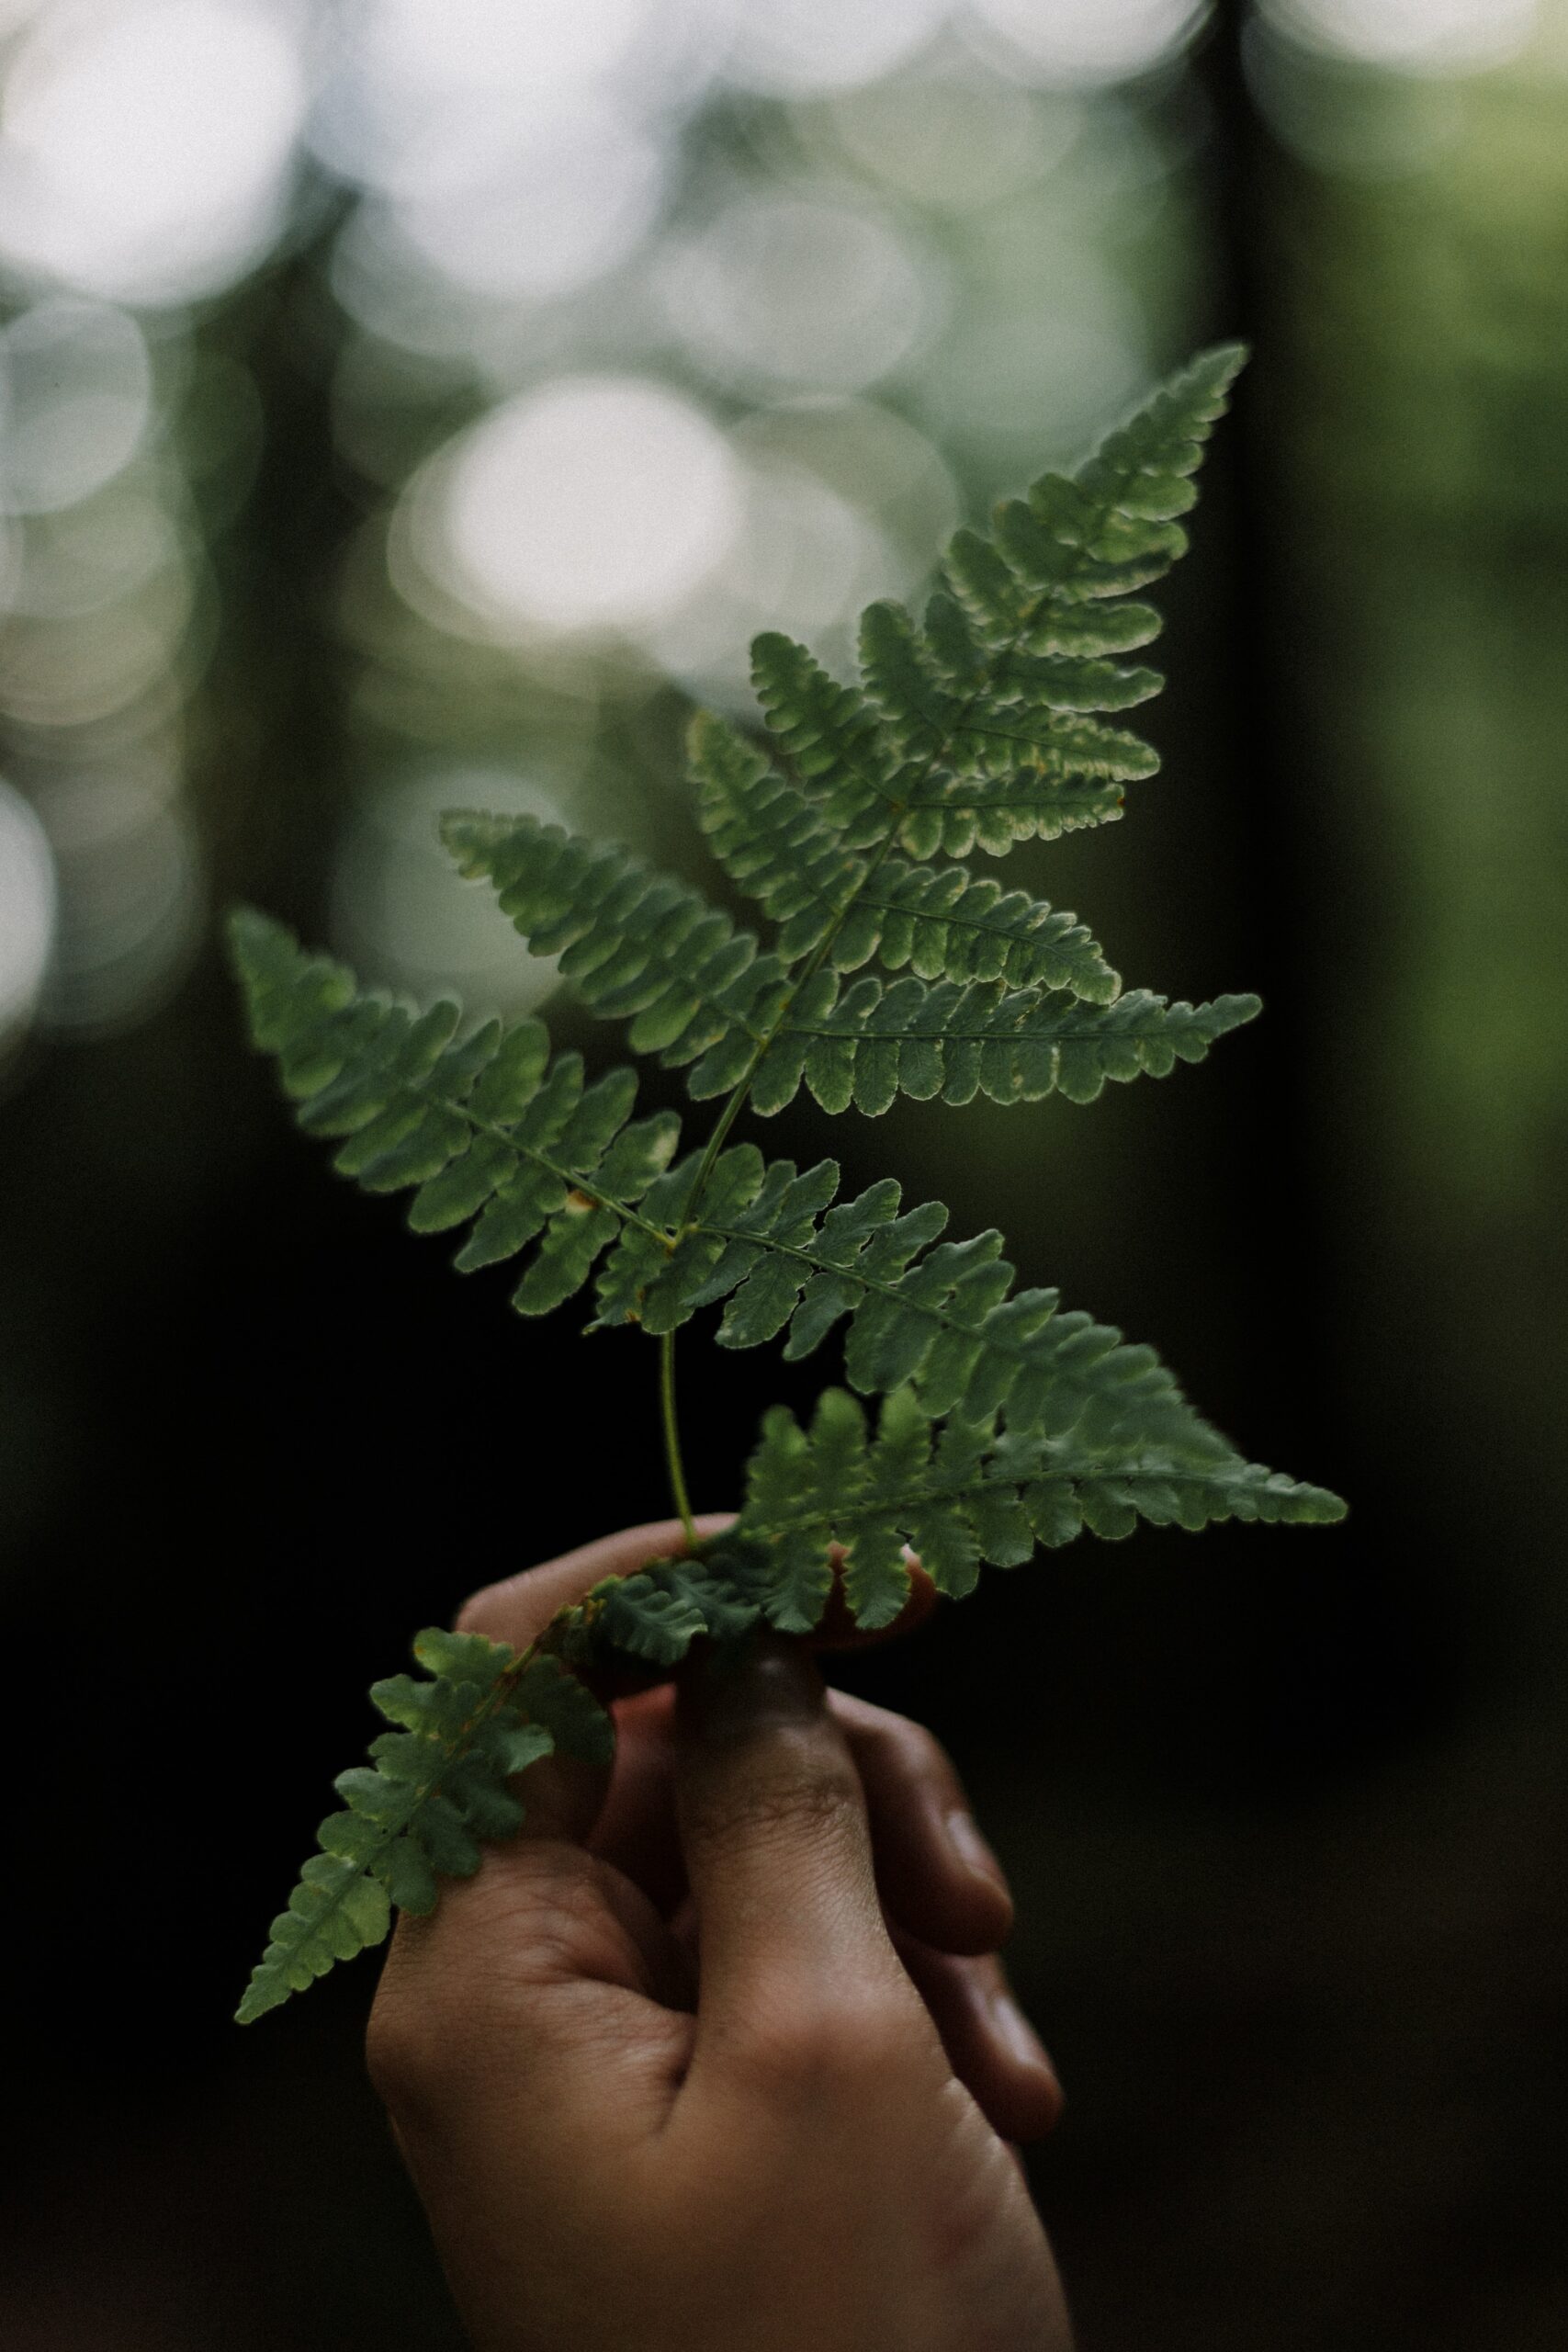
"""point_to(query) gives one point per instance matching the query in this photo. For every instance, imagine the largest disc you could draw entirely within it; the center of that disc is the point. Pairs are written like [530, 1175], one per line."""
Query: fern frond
[489, 1128]
[442, 1782]
[828, 735]
[944, 697]
[635, 944]
[866, 1044]
[1006, 1420]
[1040, 582]
[638, 944]
[492, 1129]
[860, 1045]
[958, 1494]
[987, 724]
[940, 1316]
[946, 923]
[987, 727]
[875, 786]
[436, 1784]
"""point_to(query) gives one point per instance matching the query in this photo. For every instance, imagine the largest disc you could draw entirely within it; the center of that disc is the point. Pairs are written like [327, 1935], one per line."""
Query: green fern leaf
[944, 922]
[808, 1490]
[651, 1616]
[940, 1316]
[436, 1785]
[490, 1129]
[871, 1042]
[1010, 778]
[984, 726]
[958, 1497]
[335, 1913]
[1021, 713]
[830, 737]
[635, 944]
[1099, 532]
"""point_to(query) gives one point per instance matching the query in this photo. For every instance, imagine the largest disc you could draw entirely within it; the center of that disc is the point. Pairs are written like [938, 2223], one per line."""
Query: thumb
[778, 1852]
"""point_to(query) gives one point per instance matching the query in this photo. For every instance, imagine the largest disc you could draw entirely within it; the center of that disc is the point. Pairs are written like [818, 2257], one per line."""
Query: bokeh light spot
[426, 99]
[543, 49]
[563, 209]
[401, 919]
[1439, 36]
[951, 145]
[130, 896]
[789, 47]
[75, 396]
[802, 560]
[86, 557]
[27, 914]
[592, 505]
[1088, 41]
[144, 149]
[782, 291]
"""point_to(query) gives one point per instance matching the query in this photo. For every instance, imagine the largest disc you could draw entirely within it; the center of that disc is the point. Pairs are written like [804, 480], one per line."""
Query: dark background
[1283, 1809]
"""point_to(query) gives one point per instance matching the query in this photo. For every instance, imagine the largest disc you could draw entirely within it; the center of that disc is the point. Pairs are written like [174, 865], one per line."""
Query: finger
[990, 2045]
[777, 1846]
[635, 1830]
[562, 1795]
[518, 1607]
[938, 1877]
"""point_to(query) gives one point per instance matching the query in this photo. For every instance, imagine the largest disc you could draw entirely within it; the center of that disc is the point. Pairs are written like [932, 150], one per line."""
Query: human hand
[717, 2056]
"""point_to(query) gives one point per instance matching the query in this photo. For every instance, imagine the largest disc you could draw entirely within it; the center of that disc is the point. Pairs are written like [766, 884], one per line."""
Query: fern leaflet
[862, 1045]
[436, 1784]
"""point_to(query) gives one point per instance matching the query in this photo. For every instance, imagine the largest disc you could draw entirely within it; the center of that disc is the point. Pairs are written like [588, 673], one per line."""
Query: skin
[717, 2056]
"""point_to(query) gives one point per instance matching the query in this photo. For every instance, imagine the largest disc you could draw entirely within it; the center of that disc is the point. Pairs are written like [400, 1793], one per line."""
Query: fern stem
[672, 1436]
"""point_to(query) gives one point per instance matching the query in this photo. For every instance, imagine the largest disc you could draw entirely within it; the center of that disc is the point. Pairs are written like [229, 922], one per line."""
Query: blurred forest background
[405, 404]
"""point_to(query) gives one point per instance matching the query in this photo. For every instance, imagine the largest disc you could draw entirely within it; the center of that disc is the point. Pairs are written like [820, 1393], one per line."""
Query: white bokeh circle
[592, 505]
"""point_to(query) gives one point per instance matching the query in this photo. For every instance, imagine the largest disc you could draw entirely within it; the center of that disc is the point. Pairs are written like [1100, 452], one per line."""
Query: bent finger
[938, 1877]
[635, 1830]
[516, 1609]
[990, 2044]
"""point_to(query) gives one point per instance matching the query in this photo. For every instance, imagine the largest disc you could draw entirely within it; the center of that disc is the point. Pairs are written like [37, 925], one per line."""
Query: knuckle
[924, 1756]
[802, 1790]
[897, 1749]
[839, 2047]
[571, 1927]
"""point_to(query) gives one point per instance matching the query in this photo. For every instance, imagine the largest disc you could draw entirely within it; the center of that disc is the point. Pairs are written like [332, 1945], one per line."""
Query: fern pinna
[1005, 1419]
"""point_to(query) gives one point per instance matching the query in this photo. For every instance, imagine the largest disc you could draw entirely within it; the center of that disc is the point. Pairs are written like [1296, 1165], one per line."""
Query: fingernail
[742, 1687]
[1018, 2034]
[963, 1836]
